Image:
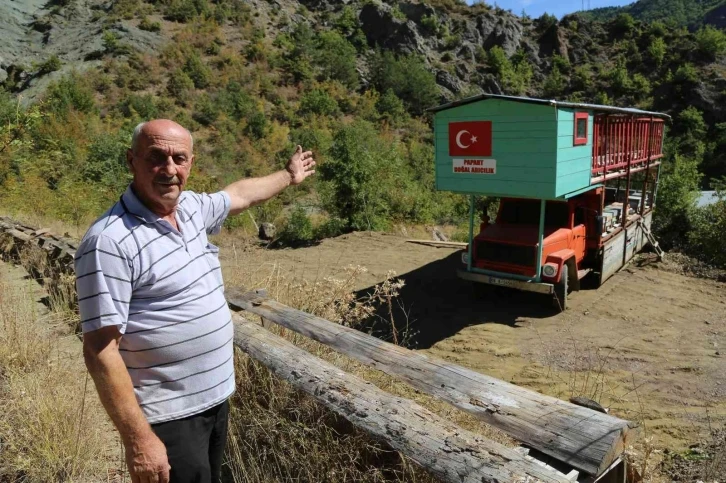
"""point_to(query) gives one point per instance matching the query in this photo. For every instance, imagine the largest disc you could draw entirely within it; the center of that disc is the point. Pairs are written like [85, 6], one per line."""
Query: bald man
[157, 333]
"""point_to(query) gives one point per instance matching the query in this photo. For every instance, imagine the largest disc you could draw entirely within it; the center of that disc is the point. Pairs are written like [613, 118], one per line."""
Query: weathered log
[585, 439]
[439, 243]
[451, 453]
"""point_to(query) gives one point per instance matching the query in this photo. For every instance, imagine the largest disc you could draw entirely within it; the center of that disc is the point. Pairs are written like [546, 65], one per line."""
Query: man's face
[161, 165]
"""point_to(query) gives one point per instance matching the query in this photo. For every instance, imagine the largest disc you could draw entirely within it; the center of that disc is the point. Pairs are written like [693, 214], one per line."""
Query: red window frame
[580, 141]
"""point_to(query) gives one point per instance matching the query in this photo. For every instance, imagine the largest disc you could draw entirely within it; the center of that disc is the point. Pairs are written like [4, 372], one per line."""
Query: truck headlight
[465, 258]
[549, 270]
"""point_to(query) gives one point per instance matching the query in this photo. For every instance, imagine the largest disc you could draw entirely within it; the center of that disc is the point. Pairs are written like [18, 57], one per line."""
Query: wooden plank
[435, 243]
[585, 439]
[451, 453]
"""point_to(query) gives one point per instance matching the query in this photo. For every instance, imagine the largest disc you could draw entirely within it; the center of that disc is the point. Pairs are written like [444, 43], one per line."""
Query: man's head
[160, 159]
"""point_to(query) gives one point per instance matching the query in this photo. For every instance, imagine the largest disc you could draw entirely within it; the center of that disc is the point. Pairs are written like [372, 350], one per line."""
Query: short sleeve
[103, 283]
[214, 209]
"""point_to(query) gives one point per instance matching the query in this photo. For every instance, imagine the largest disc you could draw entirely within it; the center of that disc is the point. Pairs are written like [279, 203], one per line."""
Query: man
[157, 331]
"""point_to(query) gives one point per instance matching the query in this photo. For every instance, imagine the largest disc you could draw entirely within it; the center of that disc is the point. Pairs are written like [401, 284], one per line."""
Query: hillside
[682, 13]
[252, 78]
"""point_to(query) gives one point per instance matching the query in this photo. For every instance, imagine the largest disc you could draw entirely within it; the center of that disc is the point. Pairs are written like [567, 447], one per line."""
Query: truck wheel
[559, 300]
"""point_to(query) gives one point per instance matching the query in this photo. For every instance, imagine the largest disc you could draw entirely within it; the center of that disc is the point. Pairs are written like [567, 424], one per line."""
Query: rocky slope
[32, 31]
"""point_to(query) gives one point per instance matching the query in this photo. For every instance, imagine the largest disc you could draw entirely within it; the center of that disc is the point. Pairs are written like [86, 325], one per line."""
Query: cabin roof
[550, 102]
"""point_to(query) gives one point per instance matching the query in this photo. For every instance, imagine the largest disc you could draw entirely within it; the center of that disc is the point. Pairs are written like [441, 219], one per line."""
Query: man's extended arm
[249, 192]
[145, 453]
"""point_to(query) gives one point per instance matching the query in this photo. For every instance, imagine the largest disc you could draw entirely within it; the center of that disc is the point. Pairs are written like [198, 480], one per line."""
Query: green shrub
[298, 230]
[70, 93]
[514, 77]
[186, 10]
[112, 44]
[555, 84]
[206, 111]
[355, 191]
[430, 24]
[197, 71]
[711, 42]
[51, 65]
[391, 107]
[257, 125]
[641, 86]
[336, 59]
[686, 74]
[657, 50]
[318, 101]
[706, 240]
[545, 22]
[235, 101]
[142, 106]
[677, 193]
[105, 162]
[561, 63]
[623, 24]
[179, 86]
[582, 77]
[409, 79]
[149, 26]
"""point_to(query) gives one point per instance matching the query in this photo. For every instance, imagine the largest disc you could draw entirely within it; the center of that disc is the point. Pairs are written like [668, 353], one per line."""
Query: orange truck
[565, 175]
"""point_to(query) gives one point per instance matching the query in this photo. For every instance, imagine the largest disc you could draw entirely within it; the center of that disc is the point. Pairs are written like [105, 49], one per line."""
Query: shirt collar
[134, 206]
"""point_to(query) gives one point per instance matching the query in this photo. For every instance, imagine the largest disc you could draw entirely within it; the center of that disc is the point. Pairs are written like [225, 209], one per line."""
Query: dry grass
[280, 434]
[51, 423]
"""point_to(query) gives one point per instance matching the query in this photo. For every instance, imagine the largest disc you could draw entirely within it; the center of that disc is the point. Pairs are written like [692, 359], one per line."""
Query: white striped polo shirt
[163, 289]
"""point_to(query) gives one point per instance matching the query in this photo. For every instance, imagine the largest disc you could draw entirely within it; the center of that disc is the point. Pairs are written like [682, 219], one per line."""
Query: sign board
[475, 166]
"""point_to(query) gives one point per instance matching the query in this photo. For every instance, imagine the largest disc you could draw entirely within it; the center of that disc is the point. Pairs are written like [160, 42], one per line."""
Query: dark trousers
[195, 445]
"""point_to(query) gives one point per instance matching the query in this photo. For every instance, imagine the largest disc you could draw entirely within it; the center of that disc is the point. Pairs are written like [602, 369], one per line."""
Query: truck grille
[504, 253]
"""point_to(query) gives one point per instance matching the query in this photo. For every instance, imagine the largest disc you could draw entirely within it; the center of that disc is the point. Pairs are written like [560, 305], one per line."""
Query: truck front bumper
[543, 288]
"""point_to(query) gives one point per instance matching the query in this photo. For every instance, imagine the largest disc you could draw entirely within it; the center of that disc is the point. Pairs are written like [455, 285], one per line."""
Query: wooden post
[585, 439]
[451, 453]
[647, 170]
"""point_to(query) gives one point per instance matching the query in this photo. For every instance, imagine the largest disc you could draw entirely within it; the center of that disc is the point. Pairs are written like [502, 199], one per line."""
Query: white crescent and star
[458, 139]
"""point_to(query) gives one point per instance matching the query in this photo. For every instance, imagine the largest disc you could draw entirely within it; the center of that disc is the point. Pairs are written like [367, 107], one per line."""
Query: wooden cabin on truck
[576, 184]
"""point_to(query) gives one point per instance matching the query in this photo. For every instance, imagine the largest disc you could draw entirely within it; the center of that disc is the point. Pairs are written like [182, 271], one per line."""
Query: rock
[449, 81]
[438, 235]
[504, 31]
[383, 29]
[267, 231]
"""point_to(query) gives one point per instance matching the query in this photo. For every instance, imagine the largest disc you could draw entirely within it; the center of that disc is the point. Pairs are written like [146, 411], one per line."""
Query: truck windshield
[526, 212]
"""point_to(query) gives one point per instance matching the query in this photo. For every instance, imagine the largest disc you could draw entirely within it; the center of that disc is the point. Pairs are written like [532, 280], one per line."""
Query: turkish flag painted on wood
[472, 138]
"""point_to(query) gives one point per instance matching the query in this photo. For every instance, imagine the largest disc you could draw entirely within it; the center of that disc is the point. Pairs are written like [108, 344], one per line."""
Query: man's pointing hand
[300, 166]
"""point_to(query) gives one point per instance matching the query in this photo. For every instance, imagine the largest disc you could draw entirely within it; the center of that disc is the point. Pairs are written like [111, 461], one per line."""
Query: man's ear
[130, 160]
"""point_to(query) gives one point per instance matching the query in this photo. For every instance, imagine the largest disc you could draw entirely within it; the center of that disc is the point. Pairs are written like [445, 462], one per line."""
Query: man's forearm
[251, 191]
[116, 392]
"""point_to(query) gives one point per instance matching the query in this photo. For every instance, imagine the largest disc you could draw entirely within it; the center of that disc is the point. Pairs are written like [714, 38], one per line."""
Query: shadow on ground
[437, 305]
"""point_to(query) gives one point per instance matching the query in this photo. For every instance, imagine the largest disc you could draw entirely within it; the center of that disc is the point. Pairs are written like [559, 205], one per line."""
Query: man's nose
[168, 166]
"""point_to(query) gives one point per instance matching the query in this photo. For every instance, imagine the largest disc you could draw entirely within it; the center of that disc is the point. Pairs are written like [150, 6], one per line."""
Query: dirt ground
[649, 345]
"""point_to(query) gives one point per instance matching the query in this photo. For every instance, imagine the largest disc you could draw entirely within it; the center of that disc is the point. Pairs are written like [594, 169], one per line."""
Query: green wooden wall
[524, 145]
[531, 143]
[573, 162]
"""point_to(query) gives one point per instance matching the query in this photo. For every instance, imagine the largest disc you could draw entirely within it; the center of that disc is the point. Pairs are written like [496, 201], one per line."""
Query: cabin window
[581, 128]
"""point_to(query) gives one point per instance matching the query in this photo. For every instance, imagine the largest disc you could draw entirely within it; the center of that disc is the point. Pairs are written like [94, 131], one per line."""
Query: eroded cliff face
[31, 31]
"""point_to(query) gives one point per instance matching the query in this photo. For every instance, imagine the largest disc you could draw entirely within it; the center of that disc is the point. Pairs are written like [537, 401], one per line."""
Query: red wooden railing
[619, 140]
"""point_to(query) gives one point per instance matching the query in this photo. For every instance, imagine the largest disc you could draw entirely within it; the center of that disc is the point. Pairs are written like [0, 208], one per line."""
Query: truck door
[579, 234]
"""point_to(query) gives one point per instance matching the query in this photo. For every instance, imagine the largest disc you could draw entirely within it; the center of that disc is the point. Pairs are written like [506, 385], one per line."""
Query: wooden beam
[452, 454]
[585, 439]
[442, 244]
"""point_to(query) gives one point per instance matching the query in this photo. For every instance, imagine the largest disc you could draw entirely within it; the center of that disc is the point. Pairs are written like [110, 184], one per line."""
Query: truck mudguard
[559, 258]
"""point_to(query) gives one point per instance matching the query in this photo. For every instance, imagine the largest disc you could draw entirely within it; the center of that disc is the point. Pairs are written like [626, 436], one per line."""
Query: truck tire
[559, 300]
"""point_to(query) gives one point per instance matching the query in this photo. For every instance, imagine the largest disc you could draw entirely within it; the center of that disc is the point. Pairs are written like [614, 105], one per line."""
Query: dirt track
[650, 344]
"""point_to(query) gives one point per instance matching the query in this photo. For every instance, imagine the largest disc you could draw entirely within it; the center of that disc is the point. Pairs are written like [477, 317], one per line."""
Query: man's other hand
[300, 166]
[147, 461]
